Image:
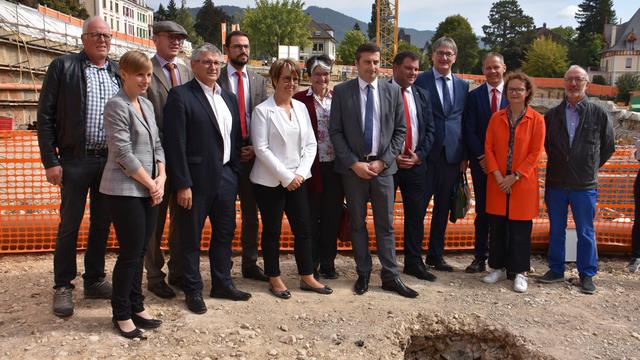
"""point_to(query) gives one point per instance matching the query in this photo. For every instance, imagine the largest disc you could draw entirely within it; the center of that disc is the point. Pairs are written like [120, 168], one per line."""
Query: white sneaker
[494, 276]
[520, 283]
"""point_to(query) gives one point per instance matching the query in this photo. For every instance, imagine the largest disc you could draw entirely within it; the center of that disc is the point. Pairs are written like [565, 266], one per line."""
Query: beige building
[321, 41]
[131, 17]
[621, 52]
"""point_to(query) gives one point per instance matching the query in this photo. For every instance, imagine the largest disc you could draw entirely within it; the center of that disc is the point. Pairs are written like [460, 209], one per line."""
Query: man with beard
[250, 89]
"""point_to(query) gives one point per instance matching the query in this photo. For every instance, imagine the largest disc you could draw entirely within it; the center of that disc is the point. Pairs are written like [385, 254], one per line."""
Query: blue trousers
[583, 208]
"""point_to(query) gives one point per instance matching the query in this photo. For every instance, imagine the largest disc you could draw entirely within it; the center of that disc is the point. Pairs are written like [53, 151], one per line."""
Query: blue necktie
[368, 122]
[446, 97]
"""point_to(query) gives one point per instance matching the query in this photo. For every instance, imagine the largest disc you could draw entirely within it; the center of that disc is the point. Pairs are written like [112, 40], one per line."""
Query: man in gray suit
[367, 128]
[168, 38]
[253, 90]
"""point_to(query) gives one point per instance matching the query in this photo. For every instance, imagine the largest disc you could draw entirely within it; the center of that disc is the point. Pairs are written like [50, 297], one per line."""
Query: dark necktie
[172, 72]
[408, 142]
[241, 104]
[494, 100]
[368, 121]
[446, 97]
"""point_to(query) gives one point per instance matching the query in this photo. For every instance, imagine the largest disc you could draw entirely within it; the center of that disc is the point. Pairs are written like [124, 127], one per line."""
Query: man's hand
[295, 183]
[483, 163]
[377, 166]
[363, 170]
[54, 175]
[247, 153]
[184, 198]
[407, 161]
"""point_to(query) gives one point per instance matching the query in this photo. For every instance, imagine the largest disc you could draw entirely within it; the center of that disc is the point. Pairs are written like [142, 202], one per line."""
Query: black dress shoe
[329, 273]
[133, 334]
[362, 284]
[439, 264]
[161, 290]
[420, 271]
[398, 286]
[145, 323]
[230, 293]
[284, 294]
[477, 266]
[254, 273]
[325, 290]
[195, 303]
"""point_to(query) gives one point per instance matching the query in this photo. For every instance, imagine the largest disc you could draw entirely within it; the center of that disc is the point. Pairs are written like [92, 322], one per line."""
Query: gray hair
[577, 67]
[204, 48]
[491, 54]
[89, 20]
[323, 61]
[445, 41]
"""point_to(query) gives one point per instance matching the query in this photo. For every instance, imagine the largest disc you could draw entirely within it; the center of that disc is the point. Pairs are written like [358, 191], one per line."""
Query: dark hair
[366, 47]
[232, 34]
[323, 61]
[399, 59]
[528, 83]
[276, 69]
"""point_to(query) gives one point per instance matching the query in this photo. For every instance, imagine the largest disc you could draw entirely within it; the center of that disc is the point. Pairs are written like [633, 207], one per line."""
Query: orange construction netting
[29, 206]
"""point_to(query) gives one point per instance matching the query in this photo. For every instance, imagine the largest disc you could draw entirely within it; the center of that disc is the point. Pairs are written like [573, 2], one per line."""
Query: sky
[427, 14]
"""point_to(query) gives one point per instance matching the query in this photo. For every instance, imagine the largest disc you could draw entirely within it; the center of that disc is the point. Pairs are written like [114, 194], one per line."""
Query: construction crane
[387, 30]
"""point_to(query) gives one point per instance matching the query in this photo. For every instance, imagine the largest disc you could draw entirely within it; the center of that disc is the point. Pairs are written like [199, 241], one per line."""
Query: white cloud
[568, 12]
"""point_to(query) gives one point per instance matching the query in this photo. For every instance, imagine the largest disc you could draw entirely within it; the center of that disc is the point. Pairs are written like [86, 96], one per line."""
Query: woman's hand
[295, 183]
[160, 180]
[156, 192]
[506, 183]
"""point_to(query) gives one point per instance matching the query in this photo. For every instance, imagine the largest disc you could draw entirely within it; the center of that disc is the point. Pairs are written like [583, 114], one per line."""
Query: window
[627, 63]
[117, 7]
[318, 47]
[118, 26]
[104, 4]
[111, 5]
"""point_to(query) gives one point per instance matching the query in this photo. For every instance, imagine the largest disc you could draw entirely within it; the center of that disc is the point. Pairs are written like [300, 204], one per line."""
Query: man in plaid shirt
[73, 150]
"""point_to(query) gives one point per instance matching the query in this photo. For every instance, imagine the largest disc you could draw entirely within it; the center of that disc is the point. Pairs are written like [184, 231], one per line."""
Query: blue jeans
[583, 207]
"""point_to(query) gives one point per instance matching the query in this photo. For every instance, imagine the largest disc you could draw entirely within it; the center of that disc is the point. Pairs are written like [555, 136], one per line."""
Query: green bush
[627, 83]
[599, 80]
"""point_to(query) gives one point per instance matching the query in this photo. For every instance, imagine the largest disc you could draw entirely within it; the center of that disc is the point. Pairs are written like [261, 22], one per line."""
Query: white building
[131, 17]
[621, 52]
[321, 41]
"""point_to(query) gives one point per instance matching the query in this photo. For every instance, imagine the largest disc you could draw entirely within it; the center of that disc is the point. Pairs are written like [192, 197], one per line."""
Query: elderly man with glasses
[579, 141]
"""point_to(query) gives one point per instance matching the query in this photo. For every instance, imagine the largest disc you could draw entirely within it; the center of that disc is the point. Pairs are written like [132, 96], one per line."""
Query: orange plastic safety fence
[29, 206]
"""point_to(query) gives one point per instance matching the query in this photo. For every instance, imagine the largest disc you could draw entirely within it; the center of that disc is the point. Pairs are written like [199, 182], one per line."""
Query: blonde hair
[277, 67]
[134, 61]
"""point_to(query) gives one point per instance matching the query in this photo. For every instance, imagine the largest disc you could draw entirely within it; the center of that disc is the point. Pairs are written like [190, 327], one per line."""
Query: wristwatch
[517, 175]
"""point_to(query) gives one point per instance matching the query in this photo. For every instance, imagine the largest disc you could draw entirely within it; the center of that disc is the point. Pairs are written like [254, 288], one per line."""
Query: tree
[73, 7]
[599, 80]
[509, 32]
[183, 17]
[371, 27]
[458, 28]
[545, 58]
[208, 22]
[406, 46]
[172, 10]
[348, 46]
[586, 50]
[276, 22]
[566, 33]
[593, 15]
[161, 14]
[627, 83]
[356, 26]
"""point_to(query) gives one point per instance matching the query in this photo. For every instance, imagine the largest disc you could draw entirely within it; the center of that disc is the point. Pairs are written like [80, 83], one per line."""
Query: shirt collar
[393, 81]
[363, 84]
[311, 93]
[207, 90]
[163, 62]
[438, 75]
[233, 70]
[500, 87]
[569, 106]
[92, 65]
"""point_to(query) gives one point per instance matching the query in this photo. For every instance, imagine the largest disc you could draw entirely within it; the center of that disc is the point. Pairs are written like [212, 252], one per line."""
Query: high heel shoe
[145, 323]
[133, 334]
[325, 290]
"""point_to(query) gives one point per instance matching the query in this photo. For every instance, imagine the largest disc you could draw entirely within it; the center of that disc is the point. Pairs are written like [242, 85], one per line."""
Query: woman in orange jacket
[514, 143]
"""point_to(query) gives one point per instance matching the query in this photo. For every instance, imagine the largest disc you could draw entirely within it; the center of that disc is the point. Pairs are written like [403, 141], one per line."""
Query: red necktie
[241, 104]
[408, 143]
[172, 72]
[494, 100]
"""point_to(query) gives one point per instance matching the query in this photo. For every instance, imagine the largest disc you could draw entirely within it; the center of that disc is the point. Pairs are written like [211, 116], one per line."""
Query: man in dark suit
[234, 77]
[367, 129]
[202, 148]
[482, 102]
[412, 161]
[446, 158]
[168, 38]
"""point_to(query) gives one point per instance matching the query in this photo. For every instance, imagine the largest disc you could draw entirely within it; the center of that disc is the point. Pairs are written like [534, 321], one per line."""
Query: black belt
[97, 152]
[368, 158]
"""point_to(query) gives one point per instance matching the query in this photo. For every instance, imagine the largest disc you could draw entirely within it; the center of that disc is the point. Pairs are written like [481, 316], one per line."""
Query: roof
[624, 32]
[321, 31]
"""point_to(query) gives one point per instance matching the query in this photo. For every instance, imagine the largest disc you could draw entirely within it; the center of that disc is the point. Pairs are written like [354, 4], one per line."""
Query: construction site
[456, 317]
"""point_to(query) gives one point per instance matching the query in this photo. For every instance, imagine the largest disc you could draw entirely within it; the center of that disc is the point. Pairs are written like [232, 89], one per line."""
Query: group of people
[147, 135]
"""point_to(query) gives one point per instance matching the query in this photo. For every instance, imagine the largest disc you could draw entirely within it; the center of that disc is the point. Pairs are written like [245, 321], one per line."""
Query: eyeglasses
[240, 46]
[517, 90]
[208, 63]
[445, 54]
[173, 37]
[576, 79]
[290, 79]
[98, 35]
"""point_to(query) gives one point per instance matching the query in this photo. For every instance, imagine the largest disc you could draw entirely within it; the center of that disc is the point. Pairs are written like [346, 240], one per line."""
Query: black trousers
[509, 244]
[273, 202]
[481, 222]
[326, 212]
[635, 232]
[249, 213]
[134, 220]
[80, 177]
[413, 187]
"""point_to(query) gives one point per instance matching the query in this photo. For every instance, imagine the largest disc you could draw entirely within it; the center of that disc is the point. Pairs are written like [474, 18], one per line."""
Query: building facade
[131, 17]
[321, 40]
[621, 52]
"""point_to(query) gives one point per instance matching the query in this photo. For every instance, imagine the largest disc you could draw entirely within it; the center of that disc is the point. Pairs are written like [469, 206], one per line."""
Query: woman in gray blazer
[133, 181]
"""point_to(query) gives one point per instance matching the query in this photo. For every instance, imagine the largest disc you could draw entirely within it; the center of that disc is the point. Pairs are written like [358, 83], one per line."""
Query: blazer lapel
[431, 82]
[159, 73]
[184, 74]
[274, 119]
[223, 80]
[385, 100]
[485, 104]
[418, 103]
[504, 101]
[355, 100]
[199, 94]
[137, 115]
[458, 92]
[253, 90]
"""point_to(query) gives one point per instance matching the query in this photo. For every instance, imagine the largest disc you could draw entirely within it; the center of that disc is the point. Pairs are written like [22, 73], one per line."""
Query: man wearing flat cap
[168, 38]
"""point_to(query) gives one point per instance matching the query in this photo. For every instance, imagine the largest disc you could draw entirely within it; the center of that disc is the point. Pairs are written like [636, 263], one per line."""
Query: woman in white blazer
[285, 148]
[133, 180]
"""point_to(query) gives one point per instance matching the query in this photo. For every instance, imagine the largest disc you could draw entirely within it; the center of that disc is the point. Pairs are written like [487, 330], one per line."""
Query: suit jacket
[448, 126]
[193, 141]
[267, 136]
[159, 89]
[257, 88]
[476, 119]
[133, 142]
[347, 133]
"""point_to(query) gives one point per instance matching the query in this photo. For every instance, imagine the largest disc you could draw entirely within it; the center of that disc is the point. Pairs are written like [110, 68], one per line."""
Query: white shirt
[413, 113]
[499, 91]
[375, 141]
[439, 86]
[233, 85]
[166, 72]
[291, 134]
[223, 116]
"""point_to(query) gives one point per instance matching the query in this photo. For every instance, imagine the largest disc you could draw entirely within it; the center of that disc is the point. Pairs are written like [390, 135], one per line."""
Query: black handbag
[460, 198]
